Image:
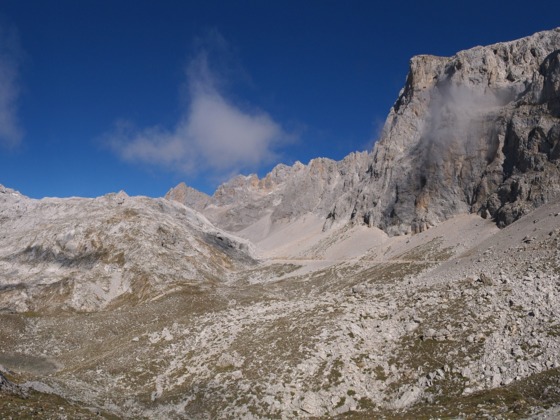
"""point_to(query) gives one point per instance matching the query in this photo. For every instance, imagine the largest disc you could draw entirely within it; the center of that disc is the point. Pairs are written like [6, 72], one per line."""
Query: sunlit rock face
[188, 196]
[477, 132]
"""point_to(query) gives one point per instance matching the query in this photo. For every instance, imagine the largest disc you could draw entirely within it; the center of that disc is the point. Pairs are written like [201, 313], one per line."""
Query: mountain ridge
[122, 245]
[469, 133]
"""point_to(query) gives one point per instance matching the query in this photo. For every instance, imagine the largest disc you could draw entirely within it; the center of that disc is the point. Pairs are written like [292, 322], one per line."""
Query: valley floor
[462, 320]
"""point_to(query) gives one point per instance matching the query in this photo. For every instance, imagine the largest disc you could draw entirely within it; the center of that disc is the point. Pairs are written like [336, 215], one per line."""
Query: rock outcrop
[7, 387]
[188, 196]
[478, 132]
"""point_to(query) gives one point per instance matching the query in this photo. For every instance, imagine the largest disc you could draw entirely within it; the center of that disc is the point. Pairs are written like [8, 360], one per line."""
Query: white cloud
[228, 138]
[214, 136]
[10, 54]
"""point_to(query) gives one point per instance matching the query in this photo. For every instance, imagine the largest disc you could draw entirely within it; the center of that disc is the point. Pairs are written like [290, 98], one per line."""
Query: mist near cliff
[457, 123]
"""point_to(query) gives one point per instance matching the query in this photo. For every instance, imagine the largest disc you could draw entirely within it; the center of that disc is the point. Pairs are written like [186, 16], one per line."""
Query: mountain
[474, 133]
[285, 194]
[339, 302]
[477, 132]
[87, 254]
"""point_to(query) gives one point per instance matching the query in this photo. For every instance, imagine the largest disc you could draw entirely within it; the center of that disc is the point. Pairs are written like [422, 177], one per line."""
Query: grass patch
[431, 251]
[335, 375]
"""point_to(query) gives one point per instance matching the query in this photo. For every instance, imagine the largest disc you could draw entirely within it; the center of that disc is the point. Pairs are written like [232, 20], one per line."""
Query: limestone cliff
[477, 132]
[188, 196]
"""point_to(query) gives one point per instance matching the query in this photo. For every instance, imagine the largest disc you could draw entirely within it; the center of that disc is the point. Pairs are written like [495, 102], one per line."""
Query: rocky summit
[418, 280]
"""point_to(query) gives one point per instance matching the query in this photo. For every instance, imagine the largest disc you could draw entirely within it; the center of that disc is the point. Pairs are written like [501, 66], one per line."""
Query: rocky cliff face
[477, 132]
[192, 198]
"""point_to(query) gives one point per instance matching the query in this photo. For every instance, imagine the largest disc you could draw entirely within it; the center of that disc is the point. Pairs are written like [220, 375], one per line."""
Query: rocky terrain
[285, 194]
[475, 132]
[90, 254]
[421, 280]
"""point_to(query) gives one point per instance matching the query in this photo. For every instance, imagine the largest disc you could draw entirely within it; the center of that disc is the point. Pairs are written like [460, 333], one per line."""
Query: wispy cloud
[455, 121]
[214, 136]
[10, 59]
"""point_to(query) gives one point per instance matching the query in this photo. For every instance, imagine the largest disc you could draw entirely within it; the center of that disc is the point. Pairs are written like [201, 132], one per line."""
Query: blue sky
[99, 96]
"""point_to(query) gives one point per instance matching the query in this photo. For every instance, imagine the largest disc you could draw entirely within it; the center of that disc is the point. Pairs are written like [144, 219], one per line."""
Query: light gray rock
[227, 360]
[312, 404]
[188, 196]
[408, 396]
[84, 254]
[285, 194]
[470, 133]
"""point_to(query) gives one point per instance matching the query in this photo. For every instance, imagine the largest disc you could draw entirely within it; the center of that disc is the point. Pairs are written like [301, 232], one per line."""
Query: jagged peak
[6, 190]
